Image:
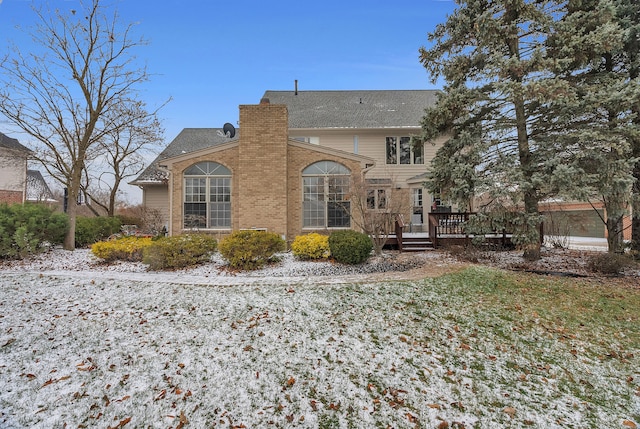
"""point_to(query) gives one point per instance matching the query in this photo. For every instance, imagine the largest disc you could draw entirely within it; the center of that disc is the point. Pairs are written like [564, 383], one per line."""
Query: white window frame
[210, 177]
[402, 152]
[329, 181]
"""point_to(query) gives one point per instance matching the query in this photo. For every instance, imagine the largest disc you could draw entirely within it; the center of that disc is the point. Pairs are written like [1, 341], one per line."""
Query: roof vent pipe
[296, 86]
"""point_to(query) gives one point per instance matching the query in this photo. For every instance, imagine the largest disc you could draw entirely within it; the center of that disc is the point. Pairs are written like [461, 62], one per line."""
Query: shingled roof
[355, 108]
[189, 140]
[358, 109]
[11, 143]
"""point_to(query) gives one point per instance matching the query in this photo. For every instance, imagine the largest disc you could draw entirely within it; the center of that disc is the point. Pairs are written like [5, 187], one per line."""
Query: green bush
[249, 250]
[350, 247]
[123, 249]
[26, 228]
[179, 251]
[311, 246]
[90, 230]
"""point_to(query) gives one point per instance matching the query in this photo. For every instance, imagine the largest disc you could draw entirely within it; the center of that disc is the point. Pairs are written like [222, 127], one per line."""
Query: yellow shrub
[124, 249]
[311, 246]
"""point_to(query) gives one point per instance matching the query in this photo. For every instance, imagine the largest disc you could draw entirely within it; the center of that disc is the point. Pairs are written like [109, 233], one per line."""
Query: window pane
[313, 188]
[195, 215]
[418, 154]
[338, 214]
[382, 199]
[195, 190]
[371, 199]
[313, 214]
[405, 150]
[207, 168]
[313, 206]
[219, 215]
[417, 197]
[392, 151]
[325, 167]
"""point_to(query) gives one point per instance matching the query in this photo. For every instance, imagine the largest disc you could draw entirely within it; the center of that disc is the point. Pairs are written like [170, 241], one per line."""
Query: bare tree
[62, 91]
[122, 154]
[375, 208]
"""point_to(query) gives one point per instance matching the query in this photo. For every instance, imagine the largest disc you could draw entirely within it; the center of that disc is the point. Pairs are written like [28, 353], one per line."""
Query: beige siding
[156, 197]
[372, 143]
[13, 171]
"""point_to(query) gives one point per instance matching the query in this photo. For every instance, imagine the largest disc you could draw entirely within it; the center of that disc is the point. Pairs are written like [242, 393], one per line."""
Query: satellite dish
[229, 130]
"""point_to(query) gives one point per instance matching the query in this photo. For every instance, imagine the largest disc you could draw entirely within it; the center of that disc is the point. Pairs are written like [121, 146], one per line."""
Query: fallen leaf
[436, 406]
[183, 420]
[629, 424]
[510, 410]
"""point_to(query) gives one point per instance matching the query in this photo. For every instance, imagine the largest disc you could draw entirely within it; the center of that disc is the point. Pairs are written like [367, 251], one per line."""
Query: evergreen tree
[492, 55]
[595, 120]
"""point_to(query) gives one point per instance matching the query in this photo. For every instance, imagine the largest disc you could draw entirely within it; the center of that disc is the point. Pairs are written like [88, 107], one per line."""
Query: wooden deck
[445, 229]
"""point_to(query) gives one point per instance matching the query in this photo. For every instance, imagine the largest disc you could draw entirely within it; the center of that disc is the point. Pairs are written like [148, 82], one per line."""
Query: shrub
[311, 246]
[26, 228]
[350, 247]
[179, 251]
[123, 249]
[466, 253]
[249, 250]
[90, 230]
[608, 263]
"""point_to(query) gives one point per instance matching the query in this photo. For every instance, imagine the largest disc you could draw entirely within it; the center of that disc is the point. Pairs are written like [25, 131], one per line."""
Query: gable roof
[189, 140]
[355, 108]
[11, 143]
[37, 188]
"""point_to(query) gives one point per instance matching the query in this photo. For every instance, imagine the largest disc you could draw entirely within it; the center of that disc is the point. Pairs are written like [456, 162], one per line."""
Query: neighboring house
[579, 219]
[289, 167]
[37, 189]
[13, 170]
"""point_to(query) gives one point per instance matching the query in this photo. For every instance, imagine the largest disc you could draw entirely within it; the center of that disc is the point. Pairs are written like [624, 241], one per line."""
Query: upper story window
[399, 151]
[325, 192]
[207, 196]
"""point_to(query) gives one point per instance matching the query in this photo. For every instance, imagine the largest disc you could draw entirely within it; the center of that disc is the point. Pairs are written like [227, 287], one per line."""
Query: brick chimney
[262, 165]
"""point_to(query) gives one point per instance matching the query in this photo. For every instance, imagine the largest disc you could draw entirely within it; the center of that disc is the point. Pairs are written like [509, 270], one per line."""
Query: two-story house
[290, 165]
[13, 170]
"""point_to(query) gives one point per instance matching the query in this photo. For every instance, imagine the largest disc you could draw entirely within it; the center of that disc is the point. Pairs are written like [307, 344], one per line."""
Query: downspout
[169, 188]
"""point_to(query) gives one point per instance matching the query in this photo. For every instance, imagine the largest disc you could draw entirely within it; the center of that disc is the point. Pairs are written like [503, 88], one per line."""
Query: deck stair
[416, 243]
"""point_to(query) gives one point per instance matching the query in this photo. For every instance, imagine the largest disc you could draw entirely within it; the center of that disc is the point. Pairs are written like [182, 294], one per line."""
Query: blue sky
[209, 56]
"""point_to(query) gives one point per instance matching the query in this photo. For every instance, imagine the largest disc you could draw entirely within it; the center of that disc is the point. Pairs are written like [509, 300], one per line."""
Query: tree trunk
[615, 236]
[72, 209]
[532, 244]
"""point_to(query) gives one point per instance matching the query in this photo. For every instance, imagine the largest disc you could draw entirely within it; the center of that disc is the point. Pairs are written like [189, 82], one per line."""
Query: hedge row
[25, 229]
[243, 250]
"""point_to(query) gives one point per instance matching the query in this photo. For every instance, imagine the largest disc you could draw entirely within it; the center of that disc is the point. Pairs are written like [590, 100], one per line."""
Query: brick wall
[266, 183]
[225, 155]
[299, 159]
[10, 197]
[262, 174]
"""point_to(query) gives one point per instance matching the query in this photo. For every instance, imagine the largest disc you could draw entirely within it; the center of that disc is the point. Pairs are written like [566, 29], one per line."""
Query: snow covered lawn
[91, 349]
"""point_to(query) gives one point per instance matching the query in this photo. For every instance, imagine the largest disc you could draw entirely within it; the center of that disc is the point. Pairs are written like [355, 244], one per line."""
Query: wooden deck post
[399, 228]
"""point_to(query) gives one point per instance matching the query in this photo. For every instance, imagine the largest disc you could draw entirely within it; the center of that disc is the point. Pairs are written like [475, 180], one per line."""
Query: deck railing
[447, 224]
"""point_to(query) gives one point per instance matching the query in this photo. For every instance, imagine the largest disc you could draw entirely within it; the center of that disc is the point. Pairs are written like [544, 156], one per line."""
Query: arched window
[207, 196]
[325, 187]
